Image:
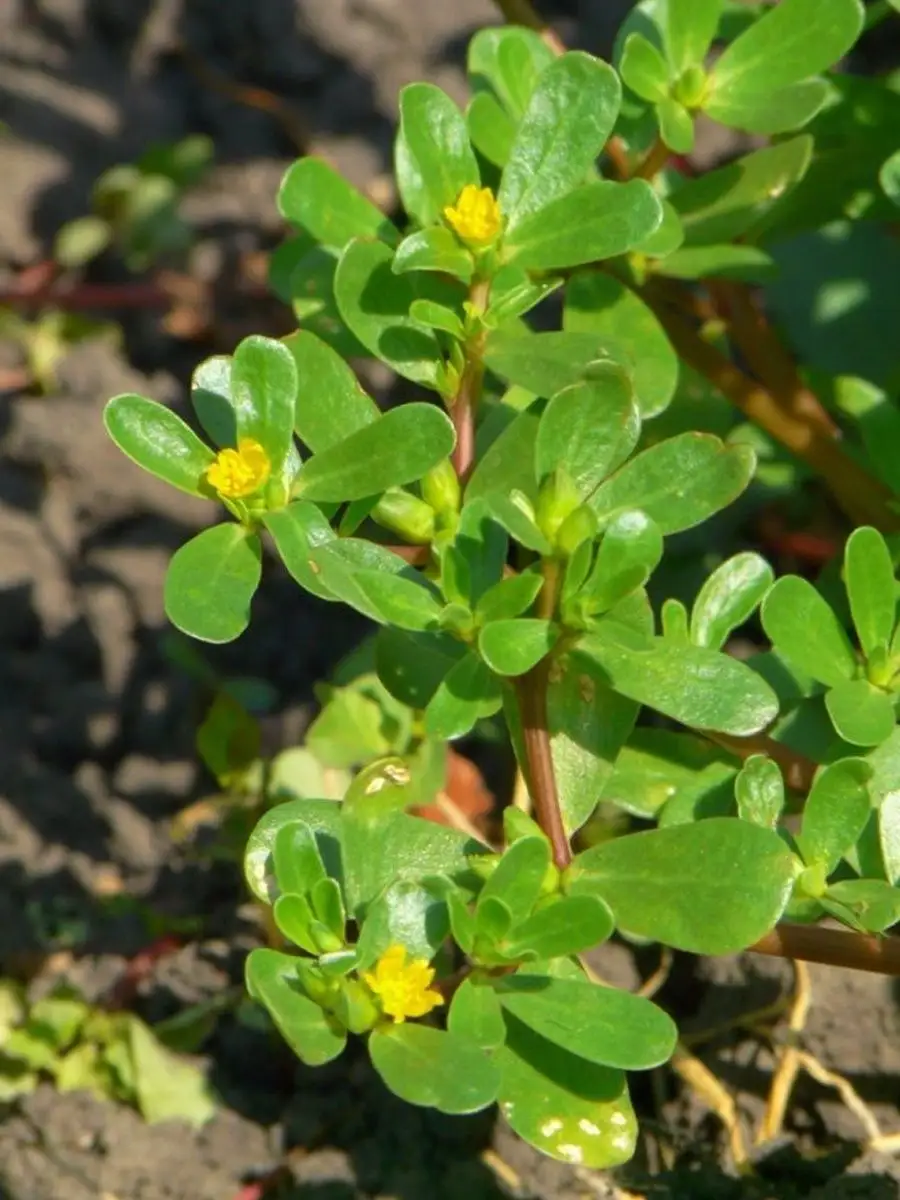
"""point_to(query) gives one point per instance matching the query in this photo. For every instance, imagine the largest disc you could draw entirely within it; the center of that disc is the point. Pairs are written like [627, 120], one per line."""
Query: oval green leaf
[210, 582]
[272, 980]
[603, 305]
[433, 1068]
[871, 588]
[678, 482]
[398, 448]
[692, 684]
[570, 1109]
[710, 887]
[331, 404]
[596, 221]
[803, 627]
[159, 441]
[514, 647]
[589, 429]
[318, 199]
[570, 115]
[263, 394]
[434, 158]
[729, 597]
[602, 1025]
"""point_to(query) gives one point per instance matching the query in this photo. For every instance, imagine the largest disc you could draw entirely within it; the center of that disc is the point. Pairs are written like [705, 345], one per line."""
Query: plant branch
[654, 160]
[864, 499]
[834, 947]
[531, 692]
[464, 404]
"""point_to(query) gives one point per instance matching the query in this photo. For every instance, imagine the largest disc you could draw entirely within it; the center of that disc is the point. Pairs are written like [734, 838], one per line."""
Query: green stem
[464, 405]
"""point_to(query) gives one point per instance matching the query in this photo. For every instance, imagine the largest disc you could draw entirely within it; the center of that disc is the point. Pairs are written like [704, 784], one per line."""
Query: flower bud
[355, 1007]
[440, 488]
[579, 526]
[557, 499]
[690, 89]
[405, 514]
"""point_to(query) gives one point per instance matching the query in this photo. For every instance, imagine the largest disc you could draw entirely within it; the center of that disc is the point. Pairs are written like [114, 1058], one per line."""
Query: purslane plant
[502, 534]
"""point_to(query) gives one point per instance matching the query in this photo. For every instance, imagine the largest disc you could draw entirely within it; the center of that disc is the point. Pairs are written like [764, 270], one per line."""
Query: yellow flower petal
[402, 987]
[240, 472]
[476, 216]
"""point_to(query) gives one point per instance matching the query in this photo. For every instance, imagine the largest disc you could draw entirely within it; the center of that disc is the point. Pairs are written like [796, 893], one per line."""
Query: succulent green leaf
[678, 482]
[475, 1014]
[467, 693]
[513, 647]
[596, 221]
[567, 925]
[836, 811]
[398, 448]
[689, 27]
[643, 68]
[602, 1025]
[433, 249]
[767, 112]
[272, 980]
[407, 914]
[602, 305]
[518, 877]
[631, 548]
[570, 1109]
[759, 790]
[412, 665]
[861, 714]
[375, 304]
[692, 684]
[508, 60]
[545, 363]
[871, 588]
[318, 199]
[296, 858]
[676, 125]
[589, 724]
[211, 580]
[803, 627]
[434, 159]
[491, 129]
[747, 264]
[569, 116]
[589, 429]
[787, 44]
[212, 402]
[159, 441]
[296, 531]
[510, 597]
[434, 1068]
[728, 598]
[875, 904]
[709, 887]
[264, 393]
[663, 773]
[728, 202]
[331, 404]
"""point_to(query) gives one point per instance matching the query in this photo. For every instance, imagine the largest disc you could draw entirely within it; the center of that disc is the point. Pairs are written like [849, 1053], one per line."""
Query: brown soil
[96, 725]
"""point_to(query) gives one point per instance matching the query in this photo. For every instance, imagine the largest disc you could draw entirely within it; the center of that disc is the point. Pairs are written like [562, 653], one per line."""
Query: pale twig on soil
[701, 1080]
[651, 985]
[788, 1059]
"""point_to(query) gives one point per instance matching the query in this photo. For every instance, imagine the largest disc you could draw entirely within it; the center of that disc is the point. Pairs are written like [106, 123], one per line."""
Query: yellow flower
[401, 986]
[475, 216]
[241, 472]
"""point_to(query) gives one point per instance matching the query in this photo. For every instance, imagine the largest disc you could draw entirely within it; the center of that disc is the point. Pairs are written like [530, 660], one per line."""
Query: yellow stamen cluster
[475, 216]
[403, 987]
[241, 472]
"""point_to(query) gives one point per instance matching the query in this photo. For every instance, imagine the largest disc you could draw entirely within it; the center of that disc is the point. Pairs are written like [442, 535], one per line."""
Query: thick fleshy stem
[531, 693]
[464, 404]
